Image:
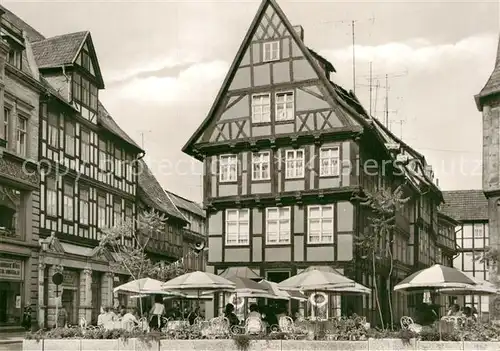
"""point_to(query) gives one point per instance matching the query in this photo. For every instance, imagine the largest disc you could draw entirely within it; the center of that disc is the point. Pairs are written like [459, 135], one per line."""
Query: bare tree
[132, 255]
[376, 242]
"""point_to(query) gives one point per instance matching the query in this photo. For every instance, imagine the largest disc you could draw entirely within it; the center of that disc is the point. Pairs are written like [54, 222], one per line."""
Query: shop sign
[10, 269]
[70, 278]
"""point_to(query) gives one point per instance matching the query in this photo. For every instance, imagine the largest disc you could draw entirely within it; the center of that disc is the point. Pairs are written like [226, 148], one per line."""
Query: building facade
[19, 182]
[284, 150]
[470, 209]
[488, 102]
[194, 251]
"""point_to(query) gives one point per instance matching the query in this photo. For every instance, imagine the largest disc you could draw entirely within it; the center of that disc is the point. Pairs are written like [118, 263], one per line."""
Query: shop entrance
[10, 303]
[69, 300]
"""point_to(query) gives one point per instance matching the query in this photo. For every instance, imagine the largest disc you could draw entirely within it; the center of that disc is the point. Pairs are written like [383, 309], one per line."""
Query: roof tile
[465, 205]
[59, 50]
[186, 204]
[153, 193]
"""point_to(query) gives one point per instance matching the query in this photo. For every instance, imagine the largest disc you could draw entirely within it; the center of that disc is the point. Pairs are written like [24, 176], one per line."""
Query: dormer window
[15, 58]
[271, 51]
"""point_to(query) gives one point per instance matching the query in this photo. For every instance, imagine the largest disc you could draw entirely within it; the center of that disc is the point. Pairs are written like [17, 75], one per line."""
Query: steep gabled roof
[492, 86]
[58, 51]
[465, 205]
[186, 204]
[106, 121]
[239, 56]
[31, 33]
[63, 50]
[153, 194]
[66, 46]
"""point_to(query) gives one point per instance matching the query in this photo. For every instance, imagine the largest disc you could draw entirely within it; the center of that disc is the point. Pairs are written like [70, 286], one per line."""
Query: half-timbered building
[19, 196]
[194, 251]
[284, 149]
[469, 208]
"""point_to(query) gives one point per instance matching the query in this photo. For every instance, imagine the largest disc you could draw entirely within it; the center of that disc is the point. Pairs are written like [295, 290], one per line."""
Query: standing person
[62, 317]
[229, 314]
[193, 315]
[101, 318]
[156, 313]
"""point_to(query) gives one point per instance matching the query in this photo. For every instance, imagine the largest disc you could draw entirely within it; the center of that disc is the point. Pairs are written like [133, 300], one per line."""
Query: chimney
[300, 31]
[429, 173]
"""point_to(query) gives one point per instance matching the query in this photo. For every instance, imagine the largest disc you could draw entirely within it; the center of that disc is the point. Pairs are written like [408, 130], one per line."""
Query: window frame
[227, 167]
[321, 219]
[68, 201]
[69, 138]
[6, 122]
[294, 151]
[84, 214]
[85, 146]
[284, 103]
[22, 148]
[261, 162]
[102, 221]
[53, 130]
[330, 158]
[239, 240]
[278, 220]
[261, 105]
[51, 207]
[268, 47]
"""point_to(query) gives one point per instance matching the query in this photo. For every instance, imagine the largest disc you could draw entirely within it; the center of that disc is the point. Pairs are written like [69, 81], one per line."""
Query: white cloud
[174, 59]
[194, 83]
[417, 53]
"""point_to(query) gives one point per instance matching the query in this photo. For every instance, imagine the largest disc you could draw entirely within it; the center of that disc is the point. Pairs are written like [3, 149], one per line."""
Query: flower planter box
[255, 345]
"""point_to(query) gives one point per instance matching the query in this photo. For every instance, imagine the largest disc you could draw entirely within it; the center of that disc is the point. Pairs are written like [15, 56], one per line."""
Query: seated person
[230, 315]
[454, 311]
[129, 319]
[254, 311]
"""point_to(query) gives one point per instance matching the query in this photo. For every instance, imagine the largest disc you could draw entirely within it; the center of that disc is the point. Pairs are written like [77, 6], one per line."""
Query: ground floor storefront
[87, 286]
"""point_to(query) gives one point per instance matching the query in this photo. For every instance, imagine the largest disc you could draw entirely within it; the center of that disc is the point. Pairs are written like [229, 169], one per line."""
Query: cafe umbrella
[434, 278]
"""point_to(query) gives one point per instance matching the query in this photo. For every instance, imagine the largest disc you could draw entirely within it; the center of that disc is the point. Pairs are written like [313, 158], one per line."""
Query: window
[93, 97]
[102, 156]
[261, 108]
[85, 138]
[51, 198]
[22, 129]
[260, 166]
[294, 163]
[329, 161]
[85, 60]
[53, 133]
[271, 51]
[15, 58]
[228, 168]
[117, 211]
[84, 206]
[118, 162]
[278, 225]
[85, 92]
[68, 201]
[284, 106]
[237, 227]
[77, 87]
[101, 211]
[70, 138]
[6, 119]
[320, 224]
[85, 98]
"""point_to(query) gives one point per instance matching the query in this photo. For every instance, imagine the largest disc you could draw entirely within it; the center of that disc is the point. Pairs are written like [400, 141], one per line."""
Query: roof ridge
[60, 36]
[173, 202]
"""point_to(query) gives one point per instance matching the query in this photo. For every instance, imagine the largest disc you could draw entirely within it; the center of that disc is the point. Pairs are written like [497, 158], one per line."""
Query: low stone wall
[255, 345]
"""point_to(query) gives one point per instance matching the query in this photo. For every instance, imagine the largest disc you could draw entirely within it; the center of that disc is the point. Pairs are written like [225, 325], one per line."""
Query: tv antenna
[352, 24]
[142, 132]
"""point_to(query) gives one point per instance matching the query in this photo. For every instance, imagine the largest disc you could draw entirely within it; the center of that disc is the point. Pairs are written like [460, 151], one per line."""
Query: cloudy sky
[163, 62]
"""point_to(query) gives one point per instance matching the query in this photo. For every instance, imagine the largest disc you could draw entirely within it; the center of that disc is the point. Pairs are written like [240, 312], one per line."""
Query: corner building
[283, 149]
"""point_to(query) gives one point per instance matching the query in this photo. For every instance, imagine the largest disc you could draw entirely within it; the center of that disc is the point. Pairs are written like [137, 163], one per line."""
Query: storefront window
[10, 212]
[11, 287]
